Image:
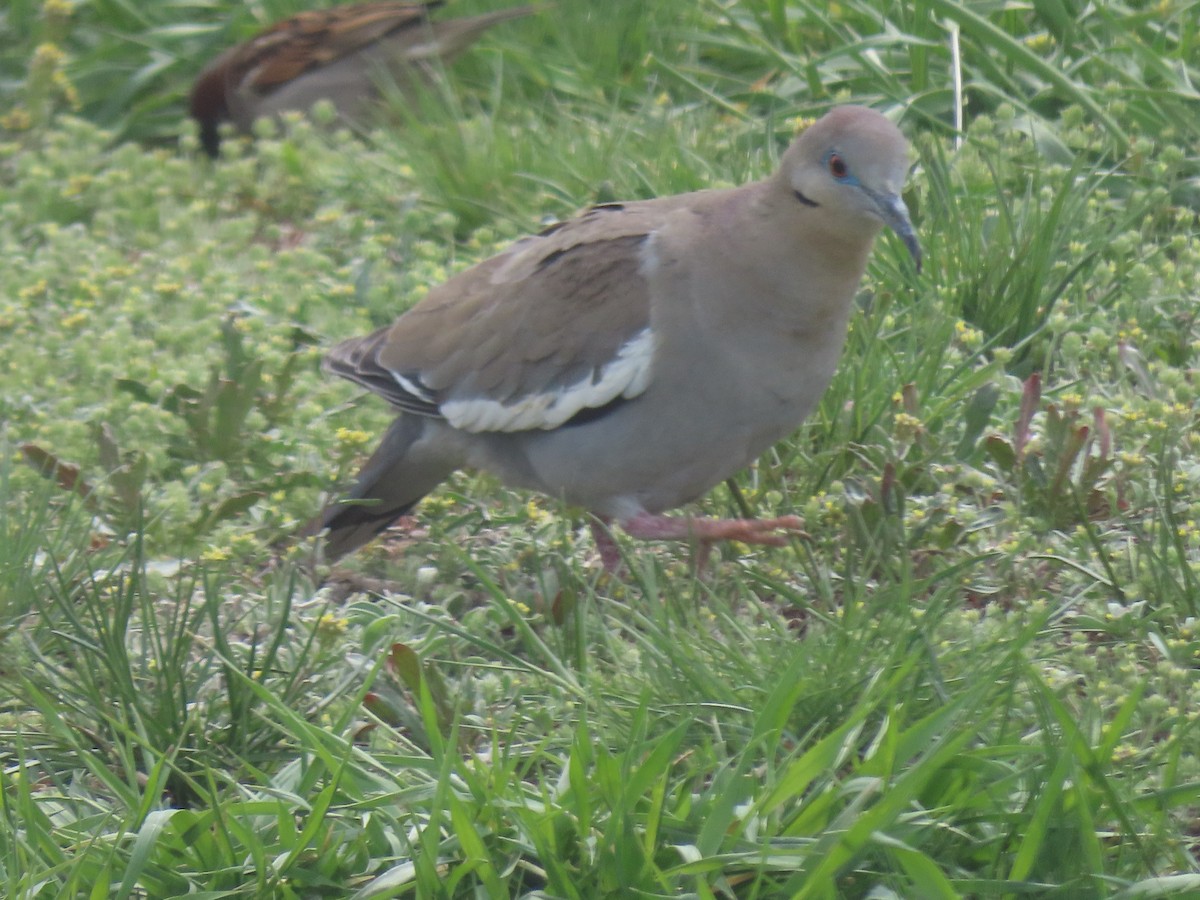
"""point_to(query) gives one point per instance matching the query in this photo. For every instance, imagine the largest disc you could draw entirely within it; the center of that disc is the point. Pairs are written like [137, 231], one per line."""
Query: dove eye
[837, 167]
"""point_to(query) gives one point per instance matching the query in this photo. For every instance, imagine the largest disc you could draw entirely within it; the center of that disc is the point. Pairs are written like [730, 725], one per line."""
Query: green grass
[974, 676]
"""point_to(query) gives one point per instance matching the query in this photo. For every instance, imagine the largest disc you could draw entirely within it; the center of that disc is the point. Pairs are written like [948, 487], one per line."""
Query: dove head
[851, 164]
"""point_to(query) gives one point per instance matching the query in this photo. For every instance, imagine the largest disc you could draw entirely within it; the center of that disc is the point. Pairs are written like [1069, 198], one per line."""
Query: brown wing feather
[550, 311]
[309, 40]
[401, 32]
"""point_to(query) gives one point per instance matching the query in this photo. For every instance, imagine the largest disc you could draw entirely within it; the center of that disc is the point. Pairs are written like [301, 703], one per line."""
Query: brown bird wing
[557, 324]
[315, 38]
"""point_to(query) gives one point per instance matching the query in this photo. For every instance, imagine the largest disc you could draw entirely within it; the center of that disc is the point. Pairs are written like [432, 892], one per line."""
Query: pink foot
[701, 532]
[709, 531]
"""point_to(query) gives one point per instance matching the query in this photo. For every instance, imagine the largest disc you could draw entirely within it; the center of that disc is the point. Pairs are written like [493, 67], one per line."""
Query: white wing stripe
[415, 388]
[626, 375]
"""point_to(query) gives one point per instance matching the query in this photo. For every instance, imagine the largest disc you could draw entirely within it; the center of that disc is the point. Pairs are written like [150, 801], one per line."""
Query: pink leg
[701, 532]
[610, 555]
[709, 531]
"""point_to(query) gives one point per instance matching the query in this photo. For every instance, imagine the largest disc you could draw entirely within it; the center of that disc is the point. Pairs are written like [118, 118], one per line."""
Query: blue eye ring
[838, 168]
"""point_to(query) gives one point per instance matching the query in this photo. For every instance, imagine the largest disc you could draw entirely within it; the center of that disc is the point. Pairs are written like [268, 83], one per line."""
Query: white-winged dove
[630, 359]
[338, 54]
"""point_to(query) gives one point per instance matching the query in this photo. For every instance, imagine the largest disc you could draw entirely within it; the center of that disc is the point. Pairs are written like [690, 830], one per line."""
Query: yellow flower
[535, 512]
[38, 289]
[47, 56]
[330, 626]
[352, 437]
[16, 119]
[907, 427]
[57, 9]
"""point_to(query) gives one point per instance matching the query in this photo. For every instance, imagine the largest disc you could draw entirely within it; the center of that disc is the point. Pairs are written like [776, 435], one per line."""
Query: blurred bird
[630, 359]
[340, 54]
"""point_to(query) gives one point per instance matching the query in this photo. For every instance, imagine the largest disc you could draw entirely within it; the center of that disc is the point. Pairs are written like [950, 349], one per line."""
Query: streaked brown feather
[244, 81]
[315, 38]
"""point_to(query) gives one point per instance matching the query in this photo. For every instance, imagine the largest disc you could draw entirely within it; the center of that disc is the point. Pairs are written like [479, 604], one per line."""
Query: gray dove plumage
[628, 360]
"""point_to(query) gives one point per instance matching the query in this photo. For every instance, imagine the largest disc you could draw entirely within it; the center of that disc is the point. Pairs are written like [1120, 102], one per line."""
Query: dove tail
[408, 464]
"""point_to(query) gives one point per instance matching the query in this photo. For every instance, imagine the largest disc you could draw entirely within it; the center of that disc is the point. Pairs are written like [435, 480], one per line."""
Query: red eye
[837, 166]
